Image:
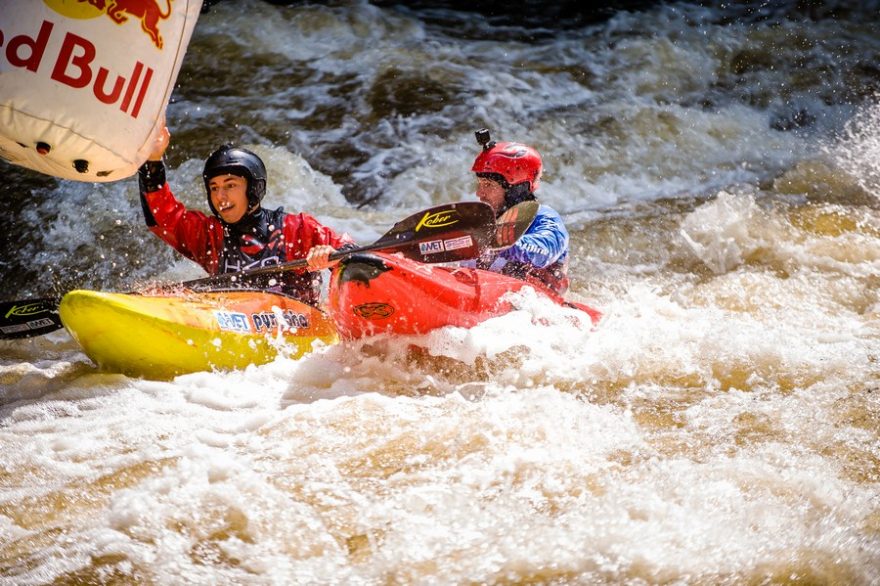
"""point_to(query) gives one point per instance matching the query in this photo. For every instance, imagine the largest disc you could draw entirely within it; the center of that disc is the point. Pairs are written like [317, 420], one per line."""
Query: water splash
[858, 152]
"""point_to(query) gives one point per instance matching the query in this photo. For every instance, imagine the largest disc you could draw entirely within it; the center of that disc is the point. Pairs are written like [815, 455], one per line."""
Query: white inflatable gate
[84, 83]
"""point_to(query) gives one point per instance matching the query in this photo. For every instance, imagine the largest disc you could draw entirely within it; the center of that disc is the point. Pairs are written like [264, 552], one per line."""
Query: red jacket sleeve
[193, 234]
[302, 232]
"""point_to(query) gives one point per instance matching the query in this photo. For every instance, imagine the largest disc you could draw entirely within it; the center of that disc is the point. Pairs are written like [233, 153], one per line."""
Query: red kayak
[379, 293]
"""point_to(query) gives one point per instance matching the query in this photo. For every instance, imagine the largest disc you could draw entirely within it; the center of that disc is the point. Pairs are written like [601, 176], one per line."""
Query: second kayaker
[240, 234]
[509, 173]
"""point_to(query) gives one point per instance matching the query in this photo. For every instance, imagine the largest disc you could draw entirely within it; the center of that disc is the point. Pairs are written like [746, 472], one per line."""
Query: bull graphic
[146, 11]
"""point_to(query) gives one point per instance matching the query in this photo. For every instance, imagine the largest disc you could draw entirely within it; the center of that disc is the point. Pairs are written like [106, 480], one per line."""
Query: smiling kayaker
[509, 173]
[241, 234]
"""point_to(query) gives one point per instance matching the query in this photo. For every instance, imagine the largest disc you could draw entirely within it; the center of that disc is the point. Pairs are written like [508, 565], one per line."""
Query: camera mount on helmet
[510, 164]
[483, 139]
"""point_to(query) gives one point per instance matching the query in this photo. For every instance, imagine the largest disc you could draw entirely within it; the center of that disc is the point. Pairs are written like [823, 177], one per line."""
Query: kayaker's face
[229, 197]
[490, 192]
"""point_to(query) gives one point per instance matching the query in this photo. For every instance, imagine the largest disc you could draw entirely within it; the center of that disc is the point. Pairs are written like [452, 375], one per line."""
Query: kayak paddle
[444, 233]
[447, 233]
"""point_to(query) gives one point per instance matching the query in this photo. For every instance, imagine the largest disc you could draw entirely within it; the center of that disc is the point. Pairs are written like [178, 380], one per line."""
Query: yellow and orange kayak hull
[161, 336]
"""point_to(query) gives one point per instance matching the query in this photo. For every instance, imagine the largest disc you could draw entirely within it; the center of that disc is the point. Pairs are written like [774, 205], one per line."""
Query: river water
[719, 169]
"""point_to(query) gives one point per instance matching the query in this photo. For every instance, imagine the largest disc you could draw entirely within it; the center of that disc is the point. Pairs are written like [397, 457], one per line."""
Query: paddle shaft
[441, 234]
[452, 232]
[446, 233]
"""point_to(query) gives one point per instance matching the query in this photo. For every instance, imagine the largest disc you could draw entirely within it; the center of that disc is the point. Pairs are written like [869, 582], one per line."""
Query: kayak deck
[377, 293]
[161, 336]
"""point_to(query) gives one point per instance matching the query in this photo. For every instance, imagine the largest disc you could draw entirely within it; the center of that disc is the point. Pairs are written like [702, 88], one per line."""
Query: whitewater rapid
[718, 169]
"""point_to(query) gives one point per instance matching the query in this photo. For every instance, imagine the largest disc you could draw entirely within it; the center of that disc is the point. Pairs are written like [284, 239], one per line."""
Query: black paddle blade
[513, 223]
[28, 317]
[446, 233]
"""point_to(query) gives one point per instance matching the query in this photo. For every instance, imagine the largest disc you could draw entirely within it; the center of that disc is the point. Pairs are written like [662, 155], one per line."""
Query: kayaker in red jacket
[509, 173]
[240, 234]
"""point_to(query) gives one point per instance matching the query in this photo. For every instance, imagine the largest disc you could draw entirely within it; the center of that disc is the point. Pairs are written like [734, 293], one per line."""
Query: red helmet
[515, 162]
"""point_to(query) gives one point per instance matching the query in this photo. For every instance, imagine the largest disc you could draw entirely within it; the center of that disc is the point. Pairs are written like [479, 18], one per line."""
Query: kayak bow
[161, 336]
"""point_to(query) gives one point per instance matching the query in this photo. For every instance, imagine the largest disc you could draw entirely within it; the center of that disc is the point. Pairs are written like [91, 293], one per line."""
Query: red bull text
[76, 66]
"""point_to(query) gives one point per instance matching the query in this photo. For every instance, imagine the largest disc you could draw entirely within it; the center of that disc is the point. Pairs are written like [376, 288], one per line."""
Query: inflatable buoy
[84, 83]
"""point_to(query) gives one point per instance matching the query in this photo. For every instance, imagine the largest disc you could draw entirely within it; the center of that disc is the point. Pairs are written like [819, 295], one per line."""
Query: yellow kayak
[161, 336]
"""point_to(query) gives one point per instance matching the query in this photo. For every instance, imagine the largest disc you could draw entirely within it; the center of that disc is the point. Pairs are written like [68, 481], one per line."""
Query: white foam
[858, 151]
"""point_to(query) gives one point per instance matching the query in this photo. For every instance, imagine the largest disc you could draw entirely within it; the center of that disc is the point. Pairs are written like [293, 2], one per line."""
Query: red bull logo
[148, 12]
[74, 66]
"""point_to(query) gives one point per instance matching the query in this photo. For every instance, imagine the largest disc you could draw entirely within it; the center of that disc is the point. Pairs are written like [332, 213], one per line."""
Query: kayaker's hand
[160, 144]
[319, 257]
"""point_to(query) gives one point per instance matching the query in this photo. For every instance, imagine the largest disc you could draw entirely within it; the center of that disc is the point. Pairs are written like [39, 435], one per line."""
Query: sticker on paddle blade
[24, 319]
[458, 243]
[439, 219]
[432, 247]
[461, 216]
[449, 245]
[459, 246]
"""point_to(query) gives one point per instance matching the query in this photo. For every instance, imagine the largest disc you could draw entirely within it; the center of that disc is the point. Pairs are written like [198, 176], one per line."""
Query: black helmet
[240, 162]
